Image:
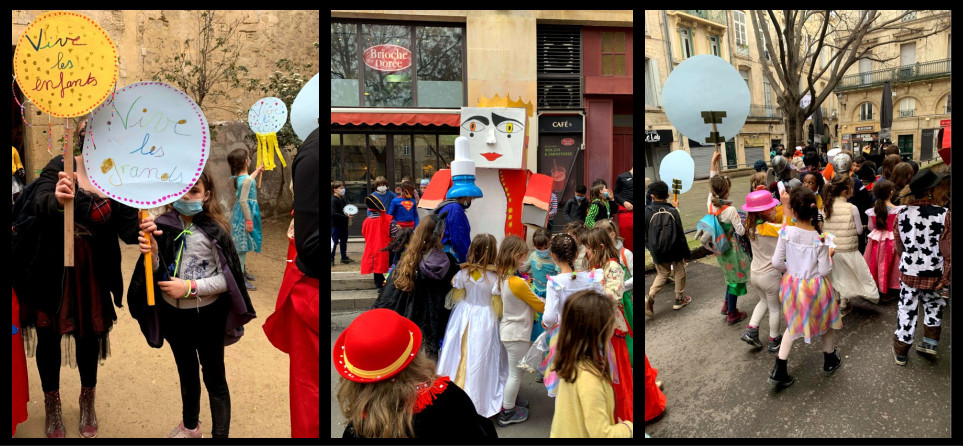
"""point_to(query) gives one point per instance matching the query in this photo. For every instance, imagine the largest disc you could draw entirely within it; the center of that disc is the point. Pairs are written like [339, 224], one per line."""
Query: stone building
[673, 36]
[919, 75]
[145, 37]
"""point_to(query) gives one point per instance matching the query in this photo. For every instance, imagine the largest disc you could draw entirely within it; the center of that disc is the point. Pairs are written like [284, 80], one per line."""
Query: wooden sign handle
[148, 264]
[69, 204]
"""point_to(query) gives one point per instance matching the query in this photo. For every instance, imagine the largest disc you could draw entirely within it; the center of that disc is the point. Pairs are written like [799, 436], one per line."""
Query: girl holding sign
[204, 305]
[77, 301]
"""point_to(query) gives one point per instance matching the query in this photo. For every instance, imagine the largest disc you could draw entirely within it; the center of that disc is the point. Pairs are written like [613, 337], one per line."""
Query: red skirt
[623, 390]
[654, 398]
[293, 329]
[625, 227]
[19, 392]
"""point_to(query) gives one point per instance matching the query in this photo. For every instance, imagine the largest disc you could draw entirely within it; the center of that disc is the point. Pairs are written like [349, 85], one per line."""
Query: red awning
[396, 118]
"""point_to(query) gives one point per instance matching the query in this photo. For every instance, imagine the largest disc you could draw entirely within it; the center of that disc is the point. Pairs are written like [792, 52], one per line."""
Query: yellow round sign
[65, 63]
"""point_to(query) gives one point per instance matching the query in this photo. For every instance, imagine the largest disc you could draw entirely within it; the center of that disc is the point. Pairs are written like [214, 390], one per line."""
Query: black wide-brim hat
[374, 203]
[925, 179]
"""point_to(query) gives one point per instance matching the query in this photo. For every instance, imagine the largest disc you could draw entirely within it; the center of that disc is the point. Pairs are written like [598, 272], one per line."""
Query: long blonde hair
[425, 239]
[506, 264]
[481, 254]
[384, 409]
[584, 337]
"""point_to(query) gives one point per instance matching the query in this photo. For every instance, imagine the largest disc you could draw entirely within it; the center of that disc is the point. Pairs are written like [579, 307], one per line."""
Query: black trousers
[49, 354]
[198, 334]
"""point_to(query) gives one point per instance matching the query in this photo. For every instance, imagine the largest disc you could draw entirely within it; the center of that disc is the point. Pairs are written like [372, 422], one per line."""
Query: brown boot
[54, 424]
[900, 349]
[931, 338]
[88, 416]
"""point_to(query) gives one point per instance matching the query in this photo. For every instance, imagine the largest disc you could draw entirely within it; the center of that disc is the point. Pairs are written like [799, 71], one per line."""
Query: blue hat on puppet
[463, 172]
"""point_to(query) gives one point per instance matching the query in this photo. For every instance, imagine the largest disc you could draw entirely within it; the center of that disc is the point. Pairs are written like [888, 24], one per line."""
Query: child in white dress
[473, 355]
[564, 250]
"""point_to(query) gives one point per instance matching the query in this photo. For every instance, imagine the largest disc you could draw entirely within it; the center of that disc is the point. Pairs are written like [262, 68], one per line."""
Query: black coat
[38, 280]
[425, 306]
[307, 206]
[450, 415]
[575, 211]
[242, 311]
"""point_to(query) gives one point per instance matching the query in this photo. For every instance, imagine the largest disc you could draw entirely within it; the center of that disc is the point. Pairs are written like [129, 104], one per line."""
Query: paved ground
[716, 384]
[541, 406]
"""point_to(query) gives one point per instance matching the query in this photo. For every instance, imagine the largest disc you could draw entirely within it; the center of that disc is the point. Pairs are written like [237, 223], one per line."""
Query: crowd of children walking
[815, 247]
[560, 308]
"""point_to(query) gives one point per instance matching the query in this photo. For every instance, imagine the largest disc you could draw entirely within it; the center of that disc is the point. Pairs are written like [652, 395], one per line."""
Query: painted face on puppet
[496, 136]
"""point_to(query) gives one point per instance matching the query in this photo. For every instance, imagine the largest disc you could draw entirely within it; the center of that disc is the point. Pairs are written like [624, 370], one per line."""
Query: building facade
[400, 78]
[918, 71]
[673, 36]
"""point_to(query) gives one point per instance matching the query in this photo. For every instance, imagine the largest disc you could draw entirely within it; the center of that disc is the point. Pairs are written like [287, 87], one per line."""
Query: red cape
[377, 235]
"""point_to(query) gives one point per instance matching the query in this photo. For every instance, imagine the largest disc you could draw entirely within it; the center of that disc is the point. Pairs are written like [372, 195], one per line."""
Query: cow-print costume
[909, 301]
[920, 228]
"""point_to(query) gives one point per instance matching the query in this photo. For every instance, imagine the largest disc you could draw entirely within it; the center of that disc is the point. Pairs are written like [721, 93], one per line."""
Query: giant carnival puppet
[490, 169]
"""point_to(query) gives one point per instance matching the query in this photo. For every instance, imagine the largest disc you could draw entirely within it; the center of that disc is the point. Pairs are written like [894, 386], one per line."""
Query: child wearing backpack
[665, 240]
[734, 261]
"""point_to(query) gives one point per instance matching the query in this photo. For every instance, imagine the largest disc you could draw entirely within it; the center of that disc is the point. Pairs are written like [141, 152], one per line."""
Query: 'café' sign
[387, 57]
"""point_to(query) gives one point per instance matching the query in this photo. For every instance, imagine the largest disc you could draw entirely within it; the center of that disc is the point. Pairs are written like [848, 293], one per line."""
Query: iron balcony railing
[718, 16]
[906, 73]
[764, 112]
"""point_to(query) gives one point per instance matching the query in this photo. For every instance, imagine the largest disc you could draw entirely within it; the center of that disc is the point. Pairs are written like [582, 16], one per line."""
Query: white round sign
[148, 146]
[267, 115]
[705, 83]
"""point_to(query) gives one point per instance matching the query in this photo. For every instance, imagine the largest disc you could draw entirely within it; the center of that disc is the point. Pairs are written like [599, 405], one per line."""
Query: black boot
[831, 362]
[779, 376]
[221, 414]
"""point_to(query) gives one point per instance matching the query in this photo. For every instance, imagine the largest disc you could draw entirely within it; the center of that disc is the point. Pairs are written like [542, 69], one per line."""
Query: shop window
[387, 47]
[397, 65]
[345, 90]
[440, 71]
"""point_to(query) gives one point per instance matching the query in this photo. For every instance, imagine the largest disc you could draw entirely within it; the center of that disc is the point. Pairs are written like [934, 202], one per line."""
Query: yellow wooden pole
[148, 264]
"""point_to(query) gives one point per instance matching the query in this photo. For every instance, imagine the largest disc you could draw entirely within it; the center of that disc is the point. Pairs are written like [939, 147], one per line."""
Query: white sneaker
[181, 432]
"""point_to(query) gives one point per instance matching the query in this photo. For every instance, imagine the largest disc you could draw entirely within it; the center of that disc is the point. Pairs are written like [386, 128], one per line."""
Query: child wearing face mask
[541, 265]
[598, 210]
[246, 216]
[381, 192]
[200, 305]
[576, 207]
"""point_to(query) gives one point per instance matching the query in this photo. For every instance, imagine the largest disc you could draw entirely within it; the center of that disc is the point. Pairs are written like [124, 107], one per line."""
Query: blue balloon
[678, 165]
[705, 83]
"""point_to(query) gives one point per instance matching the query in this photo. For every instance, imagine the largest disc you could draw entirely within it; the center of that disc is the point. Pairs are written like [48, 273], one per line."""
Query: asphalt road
[716, 384]
[541, 406]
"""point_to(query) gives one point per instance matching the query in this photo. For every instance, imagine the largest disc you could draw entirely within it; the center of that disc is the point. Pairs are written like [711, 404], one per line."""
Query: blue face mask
[579, 198]
[190, 207]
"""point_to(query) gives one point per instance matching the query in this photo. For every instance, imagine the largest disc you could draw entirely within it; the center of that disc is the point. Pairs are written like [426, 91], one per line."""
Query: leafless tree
[801, 36]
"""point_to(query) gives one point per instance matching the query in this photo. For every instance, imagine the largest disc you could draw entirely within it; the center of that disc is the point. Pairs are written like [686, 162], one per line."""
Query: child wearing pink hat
[764, 279]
